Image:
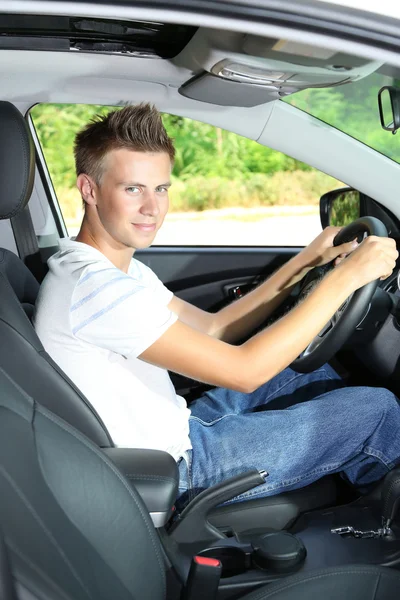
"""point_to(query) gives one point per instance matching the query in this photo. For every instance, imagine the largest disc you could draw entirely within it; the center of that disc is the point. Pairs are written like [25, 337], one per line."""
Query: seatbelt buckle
[203, 579]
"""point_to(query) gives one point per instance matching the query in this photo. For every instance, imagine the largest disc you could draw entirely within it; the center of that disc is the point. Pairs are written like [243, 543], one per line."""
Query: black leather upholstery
[71, 522]
[76, 530]
[390, 496]
[24, 358]
[356, 582]
[153, 473]
[7, 591]
[17, 161]
[279, 511]
[24, 284]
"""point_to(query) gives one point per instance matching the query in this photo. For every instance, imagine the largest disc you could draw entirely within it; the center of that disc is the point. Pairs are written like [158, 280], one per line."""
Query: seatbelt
[26, 241]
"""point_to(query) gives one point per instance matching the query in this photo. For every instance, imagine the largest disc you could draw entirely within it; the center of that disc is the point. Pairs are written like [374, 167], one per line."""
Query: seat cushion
[73, 526]
[356, 582]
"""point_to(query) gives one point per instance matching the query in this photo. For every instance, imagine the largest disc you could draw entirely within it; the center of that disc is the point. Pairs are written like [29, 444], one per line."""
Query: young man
[115, 329]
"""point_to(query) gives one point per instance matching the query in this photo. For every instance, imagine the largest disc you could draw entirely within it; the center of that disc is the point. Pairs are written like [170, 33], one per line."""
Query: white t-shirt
[95, 320]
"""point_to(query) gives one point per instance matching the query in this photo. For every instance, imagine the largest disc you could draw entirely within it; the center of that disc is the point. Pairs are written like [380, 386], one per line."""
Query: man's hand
[375, 258]
[321, 251]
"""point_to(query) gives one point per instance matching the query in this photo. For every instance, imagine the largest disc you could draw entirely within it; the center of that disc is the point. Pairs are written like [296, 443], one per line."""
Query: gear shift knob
[390, 497]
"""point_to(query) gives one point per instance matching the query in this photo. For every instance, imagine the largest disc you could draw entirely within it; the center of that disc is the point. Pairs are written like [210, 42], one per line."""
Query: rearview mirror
[389, 108]
[339, 207]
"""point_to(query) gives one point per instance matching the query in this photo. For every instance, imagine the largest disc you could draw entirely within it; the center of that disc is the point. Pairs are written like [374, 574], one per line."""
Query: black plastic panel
[184, 268]
[47, 32]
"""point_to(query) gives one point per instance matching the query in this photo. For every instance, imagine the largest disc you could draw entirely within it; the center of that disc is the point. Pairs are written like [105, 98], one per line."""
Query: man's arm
[186, 350]
[244, 315]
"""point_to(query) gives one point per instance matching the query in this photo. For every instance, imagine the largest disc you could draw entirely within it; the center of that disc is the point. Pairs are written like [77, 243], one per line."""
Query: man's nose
[150, 205]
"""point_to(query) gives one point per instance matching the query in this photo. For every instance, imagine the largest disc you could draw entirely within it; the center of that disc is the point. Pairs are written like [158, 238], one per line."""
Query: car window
[352, 109]
[226, 190]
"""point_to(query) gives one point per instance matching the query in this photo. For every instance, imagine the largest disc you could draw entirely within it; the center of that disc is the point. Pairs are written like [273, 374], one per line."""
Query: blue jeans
[298, 428]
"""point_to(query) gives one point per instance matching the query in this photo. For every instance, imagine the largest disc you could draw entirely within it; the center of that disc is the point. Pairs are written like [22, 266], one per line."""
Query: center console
[364, 531]
[254, 559]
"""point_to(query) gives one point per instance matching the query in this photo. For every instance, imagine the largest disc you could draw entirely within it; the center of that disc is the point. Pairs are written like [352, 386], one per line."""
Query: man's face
[132, 198]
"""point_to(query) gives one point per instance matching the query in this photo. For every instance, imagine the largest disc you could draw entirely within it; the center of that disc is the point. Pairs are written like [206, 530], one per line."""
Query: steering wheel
[345, 320]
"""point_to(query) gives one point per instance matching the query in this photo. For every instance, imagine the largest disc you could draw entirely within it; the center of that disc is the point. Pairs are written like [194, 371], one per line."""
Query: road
[272, 231]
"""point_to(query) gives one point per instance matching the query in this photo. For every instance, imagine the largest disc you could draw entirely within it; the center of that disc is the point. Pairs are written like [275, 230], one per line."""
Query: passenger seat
[76, 530]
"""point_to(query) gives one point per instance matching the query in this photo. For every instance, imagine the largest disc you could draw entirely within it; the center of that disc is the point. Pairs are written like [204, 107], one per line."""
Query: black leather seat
[76, 530]
[23, 357]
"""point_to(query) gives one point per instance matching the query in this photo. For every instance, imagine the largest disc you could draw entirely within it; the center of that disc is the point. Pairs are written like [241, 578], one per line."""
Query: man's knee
[383, 399]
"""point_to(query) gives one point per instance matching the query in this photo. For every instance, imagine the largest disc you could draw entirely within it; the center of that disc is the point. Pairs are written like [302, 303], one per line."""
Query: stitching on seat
[376, 587]
[30, 508]
[299, 580]
[42, 352]
[52, 364]
[13, 291]
[392, 485]
[149, 478]
[47, 414]
[37, 569]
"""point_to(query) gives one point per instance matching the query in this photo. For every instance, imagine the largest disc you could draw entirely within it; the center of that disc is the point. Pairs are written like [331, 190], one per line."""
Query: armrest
[154, 475]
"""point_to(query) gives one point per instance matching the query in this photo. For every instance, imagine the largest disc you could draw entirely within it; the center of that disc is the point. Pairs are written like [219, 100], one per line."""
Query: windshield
[352, 108]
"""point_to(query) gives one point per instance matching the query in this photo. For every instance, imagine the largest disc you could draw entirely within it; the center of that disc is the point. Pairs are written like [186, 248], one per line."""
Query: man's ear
[87, 188]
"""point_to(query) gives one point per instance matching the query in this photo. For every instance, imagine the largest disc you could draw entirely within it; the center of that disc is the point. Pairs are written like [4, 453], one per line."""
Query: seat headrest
[17, 161]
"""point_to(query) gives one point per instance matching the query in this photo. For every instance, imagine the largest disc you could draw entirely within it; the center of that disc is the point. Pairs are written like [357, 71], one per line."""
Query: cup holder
[278, 551]
[233, 560]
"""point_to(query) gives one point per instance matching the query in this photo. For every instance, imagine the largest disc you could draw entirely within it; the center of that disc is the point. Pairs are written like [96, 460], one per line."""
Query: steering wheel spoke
[326, 328]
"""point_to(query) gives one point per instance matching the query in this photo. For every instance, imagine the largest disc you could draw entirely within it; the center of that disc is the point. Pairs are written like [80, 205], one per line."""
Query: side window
[226, 190]
[55, 126]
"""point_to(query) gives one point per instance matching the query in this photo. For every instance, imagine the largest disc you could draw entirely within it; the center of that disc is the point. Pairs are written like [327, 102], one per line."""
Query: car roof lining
[282, 66]
[115, 79]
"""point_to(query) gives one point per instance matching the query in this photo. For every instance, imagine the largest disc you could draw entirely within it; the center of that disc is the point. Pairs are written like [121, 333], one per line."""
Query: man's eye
[162, 189]
[133, 189]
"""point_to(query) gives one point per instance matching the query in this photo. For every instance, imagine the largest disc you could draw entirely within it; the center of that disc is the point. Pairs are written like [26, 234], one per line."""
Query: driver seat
[24, 359]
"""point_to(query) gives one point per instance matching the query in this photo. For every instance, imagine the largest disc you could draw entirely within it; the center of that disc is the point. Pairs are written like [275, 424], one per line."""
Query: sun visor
[245, 70]
[215, 90]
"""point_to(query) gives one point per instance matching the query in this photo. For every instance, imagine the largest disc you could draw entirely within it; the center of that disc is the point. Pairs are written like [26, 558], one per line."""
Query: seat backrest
[21, 280]
[22, 355]
[74, 528]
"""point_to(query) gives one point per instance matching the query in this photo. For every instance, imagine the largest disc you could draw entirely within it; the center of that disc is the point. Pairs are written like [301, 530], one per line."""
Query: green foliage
[208, 151]
[257, 189]
[345, 208]
[201, 150]
[352, 109]
[56, 126]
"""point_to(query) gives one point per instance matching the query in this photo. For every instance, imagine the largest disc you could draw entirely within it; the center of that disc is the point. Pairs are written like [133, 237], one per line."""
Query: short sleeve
[114, 311]
[144, 274]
